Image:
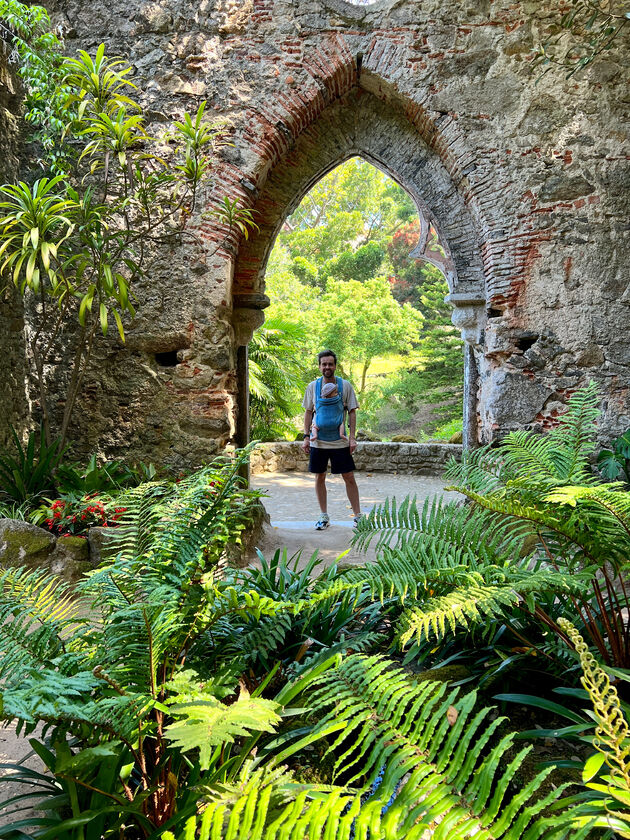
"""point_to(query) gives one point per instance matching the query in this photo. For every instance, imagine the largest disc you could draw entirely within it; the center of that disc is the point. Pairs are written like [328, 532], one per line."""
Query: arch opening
[360, 124]
[356, 267]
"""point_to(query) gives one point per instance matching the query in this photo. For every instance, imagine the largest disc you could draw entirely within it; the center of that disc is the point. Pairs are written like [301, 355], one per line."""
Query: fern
[204, 722]
[437, 755]
[440, 530]
[612, 740]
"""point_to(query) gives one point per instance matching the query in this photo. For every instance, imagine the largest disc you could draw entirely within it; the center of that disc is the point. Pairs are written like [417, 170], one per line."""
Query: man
[330, 445]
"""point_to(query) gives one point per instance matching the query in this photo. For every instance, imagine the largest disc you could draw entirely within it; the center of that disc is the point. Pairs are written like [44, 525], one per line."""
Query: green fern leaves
[428, 762]
[205, 722]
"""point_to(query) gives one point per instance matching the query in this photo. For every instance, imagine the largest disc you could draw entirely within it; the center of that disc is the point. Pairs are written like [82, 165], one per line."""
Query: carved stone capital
[468, 315]
[245, 321]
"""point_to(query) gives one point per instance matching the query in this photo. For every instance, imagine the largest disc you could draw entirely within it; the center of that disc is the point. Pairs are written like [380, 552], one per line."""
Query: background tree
[362, 321]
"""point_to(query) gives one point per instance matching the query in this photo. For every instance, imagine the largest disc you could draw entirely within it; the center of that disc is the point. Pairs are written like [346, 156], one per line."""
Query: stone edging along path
[391, 457]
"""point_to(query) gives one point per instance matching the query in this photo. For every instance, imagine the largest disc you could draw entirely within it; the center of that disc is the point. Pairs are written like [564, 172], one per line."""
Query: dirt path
[292, 507]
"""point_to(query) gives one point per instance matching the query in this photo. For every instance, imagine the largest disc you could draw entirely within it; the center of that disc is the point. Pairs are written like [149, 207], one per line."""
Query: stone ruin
[524, 177]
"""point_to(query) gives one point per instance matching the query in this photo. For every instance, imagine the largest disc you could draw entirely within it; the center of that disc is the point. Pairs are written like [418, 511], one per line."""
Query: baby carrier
[329, 412]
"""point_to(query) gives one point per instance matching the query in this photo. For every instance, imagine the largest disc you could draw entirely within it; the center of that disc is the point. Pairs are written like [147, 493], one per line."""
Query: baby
[329, 392]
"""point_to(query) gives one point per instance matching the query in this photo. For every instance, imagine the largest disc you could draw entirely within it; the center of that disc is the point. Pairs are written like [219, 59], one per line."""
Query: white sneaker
[323, 522]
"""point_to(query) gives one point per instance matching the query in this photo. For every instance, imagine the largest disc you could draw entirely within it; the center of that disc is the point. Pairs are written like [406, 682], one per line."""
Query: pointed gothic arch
[359, 123]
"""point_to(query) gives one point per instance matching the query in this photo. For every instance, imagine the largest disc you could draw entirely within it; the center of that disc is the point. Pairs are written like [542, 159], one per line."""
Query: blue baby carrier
[329, 412]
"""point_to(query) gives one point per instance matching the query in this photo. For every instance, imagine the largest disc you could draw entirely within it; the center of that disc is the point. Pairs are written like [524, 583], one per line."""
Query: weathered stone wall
[404, 458]
[13, 388]
[525, 179]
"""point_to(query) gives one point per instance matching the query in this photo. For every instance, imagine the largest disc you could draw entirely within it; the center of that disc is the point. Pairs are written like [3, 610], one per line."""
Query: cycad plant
[542, 537]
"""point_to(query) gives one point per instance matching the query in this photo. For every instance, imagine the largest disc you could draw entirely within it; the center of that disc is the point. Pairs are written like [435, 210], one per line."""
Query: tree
[585, 29]
[362, 320]
[75, 244]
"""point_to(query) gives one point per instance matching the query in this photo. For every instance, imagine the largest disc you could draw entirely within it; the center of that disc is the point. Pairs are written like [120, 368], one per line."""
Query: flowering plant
[76, 514]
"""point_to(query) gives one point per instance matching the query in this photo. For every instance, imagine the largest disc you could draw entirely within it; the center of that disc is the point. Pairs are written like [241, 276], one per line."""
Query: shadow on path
[293, 509]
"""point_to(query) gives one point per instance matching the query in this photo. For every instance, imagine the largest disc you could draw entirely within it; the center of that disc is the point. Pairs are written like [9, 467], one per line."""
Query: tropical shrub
[75, 244]
[106, 477]
[28, 472]
[615, 463]
[419, 757]
[112, 689]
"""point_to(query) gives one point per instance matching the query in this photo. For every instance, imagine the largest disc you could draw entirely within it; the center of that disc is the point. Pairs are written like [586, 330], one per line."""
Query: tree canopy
[340, 270]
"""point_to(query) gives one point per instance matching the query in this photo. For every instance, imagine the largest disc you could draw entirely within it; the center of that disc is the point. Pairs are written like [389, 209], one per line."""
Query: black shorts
[341, 461]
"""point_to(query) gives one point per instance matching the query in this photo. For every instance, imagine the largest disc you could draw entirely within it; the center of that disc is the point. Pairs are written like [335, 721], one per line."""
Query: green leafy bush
[615, 463]
[28, 472]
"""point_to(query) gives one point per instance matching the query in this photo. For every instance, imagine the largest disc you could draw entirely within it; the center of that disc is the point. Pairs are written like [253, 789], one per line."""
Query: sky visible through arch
[340, 276]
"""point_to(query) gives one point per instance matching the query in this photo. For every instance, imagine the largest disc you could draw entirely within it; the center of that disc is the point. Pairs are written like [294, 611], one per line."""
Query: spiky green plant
[423, 761]
[543, 538]
[453, 567]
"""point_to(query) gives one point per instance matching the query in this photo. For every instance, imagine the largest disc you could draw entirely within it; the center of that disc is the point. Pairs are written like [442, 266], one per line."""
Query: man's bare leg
[320, 491]
[352, 492]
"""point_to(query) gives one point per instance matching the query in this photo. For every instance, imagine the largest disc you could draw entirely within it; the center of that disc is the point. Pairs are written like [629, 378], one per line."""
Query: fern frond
[611, 497]
[204, 722]
[37, 618]
[440, 530]
[472, 604]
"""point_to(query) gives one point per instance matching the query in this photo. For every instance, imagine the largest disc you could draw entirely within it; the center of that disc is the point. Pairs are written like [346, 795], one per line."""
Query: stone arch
[362, 124]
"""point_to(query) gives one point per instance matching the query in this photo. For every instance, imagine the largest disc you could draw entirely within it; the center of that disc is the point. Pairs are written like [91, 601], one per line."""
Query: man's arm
[352, 427]
[308, 419]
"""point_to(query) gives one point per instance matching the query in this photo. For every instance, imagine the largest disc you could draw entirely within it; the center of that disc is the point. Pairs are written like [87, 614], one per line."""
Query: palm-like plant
[276, 379]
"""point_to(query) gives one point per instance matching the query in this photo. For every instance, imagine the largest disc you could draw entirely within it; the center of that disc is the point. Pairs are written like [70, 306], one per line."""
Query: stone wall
[14, 403]
[405, 458]
[524, 177]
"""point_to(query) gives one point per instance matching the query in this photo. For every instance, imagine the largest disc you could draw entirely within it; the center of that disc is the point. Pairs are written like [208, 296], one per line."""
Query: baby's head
[330, 390]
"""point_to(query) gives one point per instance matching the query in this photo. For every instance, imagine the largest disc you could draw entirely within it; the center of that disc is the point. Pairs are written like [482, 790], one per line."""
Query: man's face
[327, 365]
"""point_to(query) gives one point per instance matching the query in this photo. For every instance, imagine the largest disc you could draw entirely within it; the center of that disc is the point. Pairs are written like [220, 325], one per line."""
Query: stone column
[468, 316]
[247, 316]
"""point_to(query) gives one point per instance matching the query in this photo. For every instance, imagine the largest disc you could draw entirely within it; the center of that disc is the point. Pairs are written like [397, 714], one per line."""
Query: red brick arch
[361, 123]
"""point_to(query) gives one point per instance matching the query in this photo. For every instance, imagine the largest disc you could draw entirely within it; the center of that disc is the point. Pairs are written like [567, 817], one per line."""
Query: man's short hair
[324, 353]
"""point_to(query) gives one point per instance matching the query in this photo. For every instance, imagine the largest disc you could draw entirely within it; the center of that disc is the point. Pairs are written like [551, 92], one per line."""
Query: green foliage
[329, 616]
[106, 682]
[362, 320]
[77, 243]
[39, 54]
[615, 463]
[28, 473]
[446, 570]
[276, 382]
[425, 758]
[585, 29]
[577, 523]
[106, 477]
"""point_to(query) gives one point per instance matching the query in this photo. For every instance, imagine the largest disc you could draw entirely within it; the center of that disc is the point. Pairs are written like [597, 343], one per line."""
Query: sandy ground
[290, 502]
